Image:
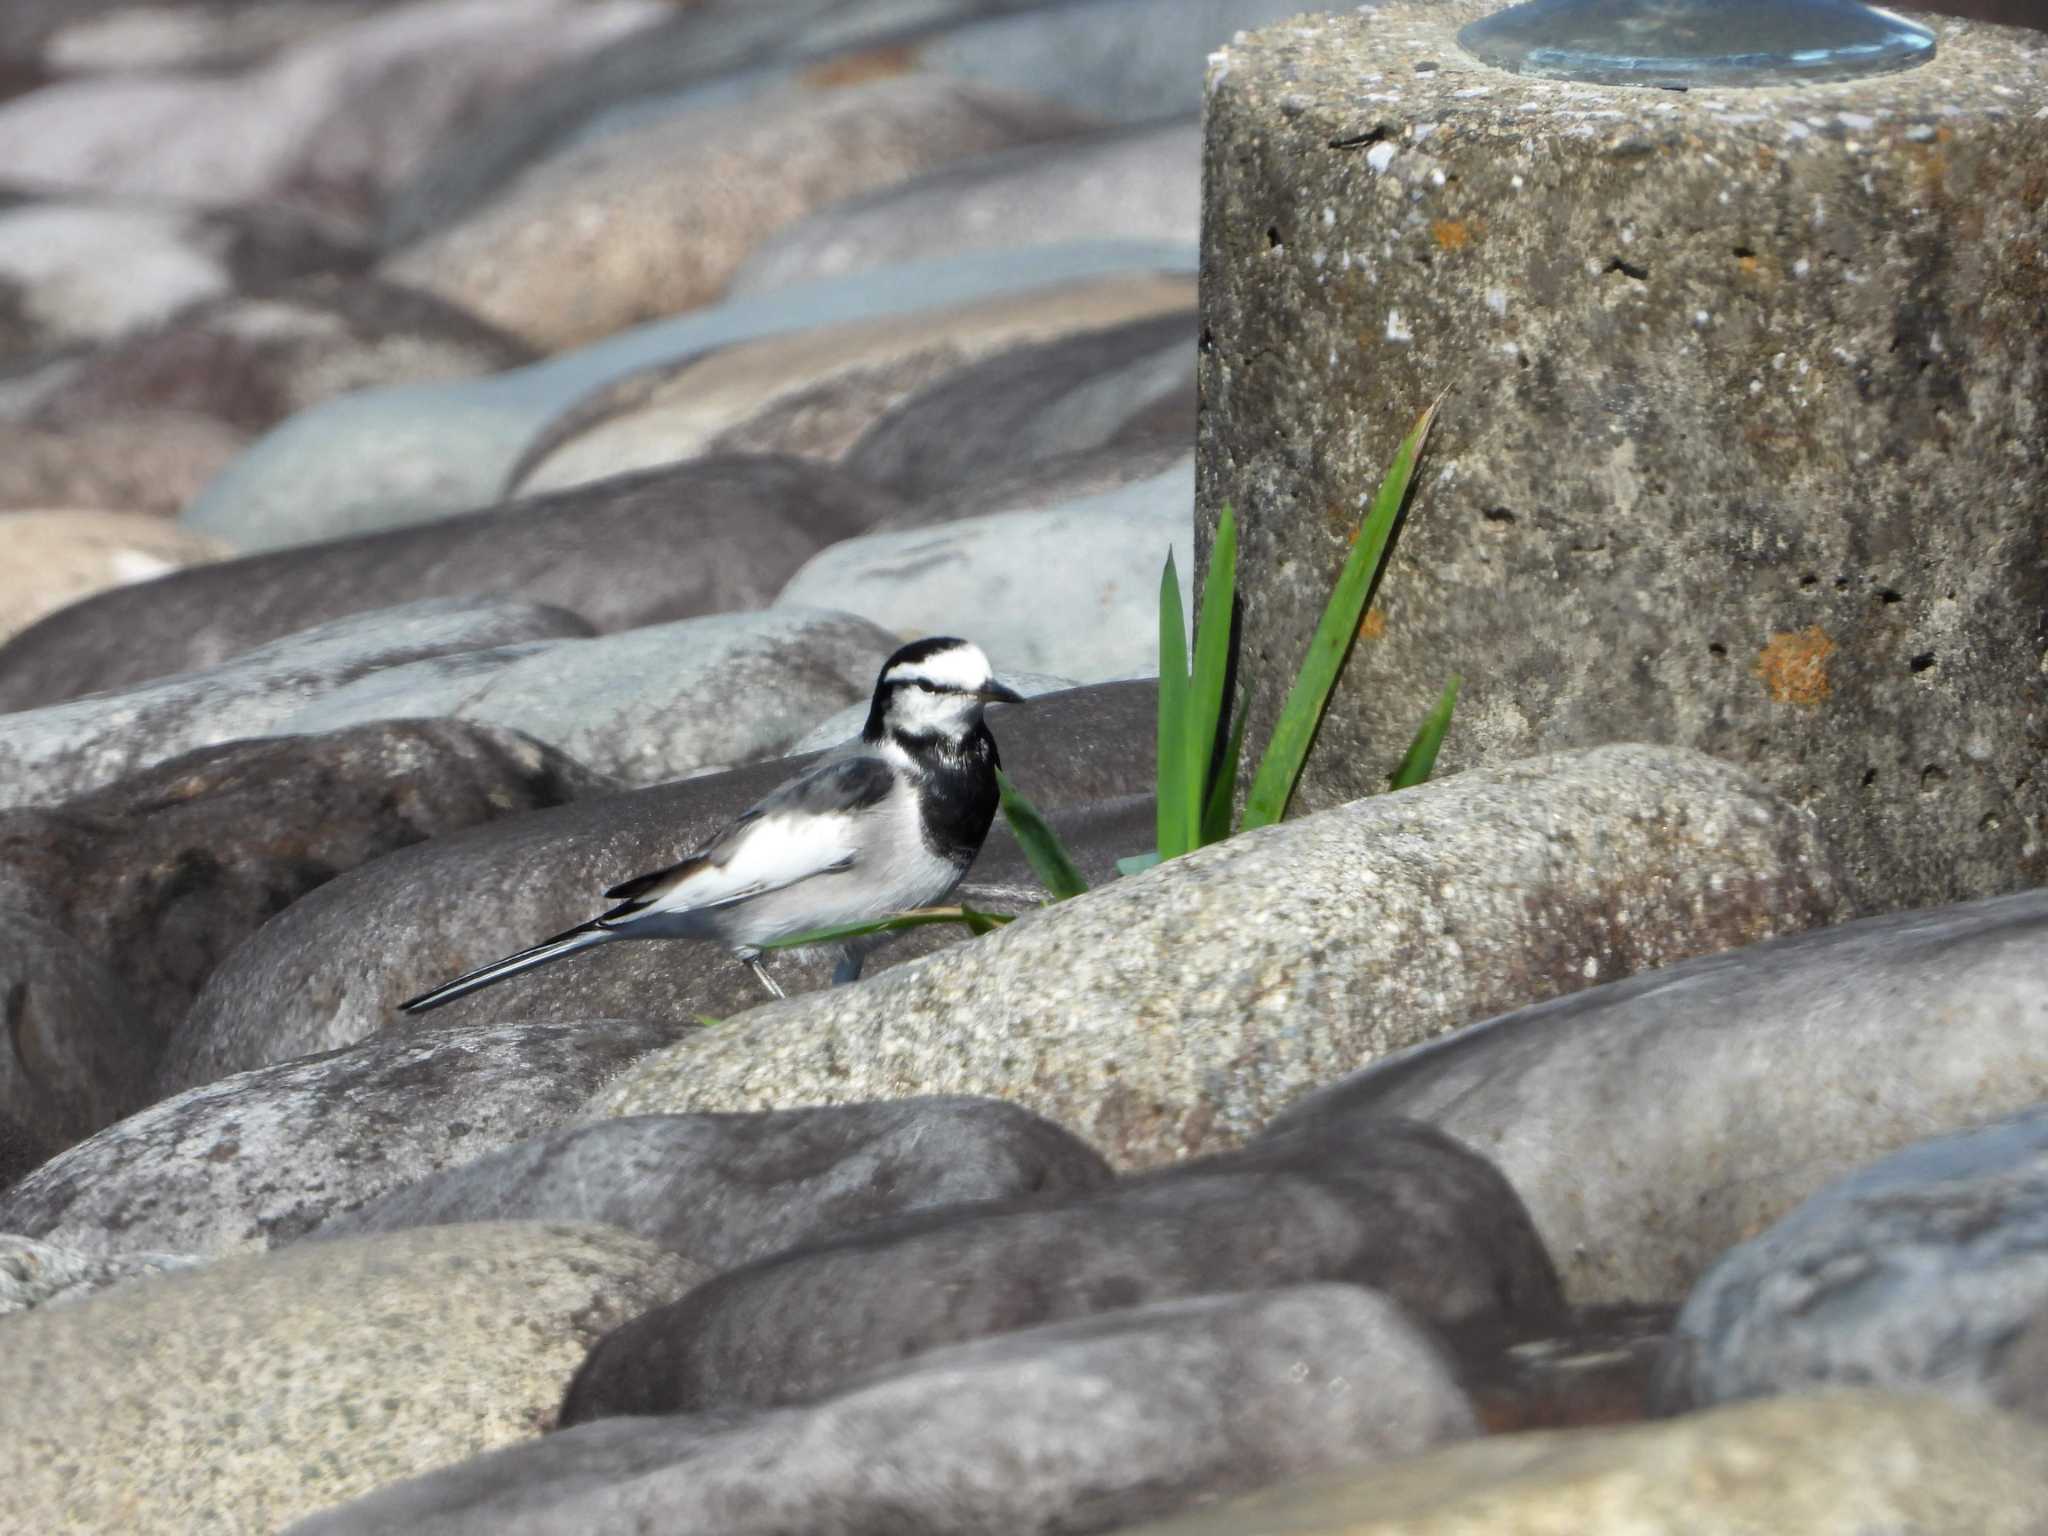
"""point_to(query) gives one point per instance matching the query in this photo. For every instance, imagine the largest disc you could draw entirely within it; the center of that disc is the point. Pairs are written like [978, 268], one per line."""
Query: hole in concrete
[1716, 648]
[1922, 662]
[1988, 822]
[1625, 268]
[1372, 135]
[1887, 596]
[1932, 777]
[1426, 66]
[1207, 343]
[1809, 580]
[1498, 515]
[1869, 777]
[1744, 253]
[1273, 237]
[1841, 583]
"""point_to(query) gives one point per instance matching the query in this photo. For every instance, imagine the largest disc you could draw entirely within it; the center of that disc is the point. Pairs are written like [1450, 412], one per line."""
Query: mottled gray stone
[75, 1056]
[2020, 1381]
[268, 1155]
[332, 967]
[60, 751]
[1030, 403]
[388, 457]
[815, 394]
[1655, 1123]
[644, 705]
[1914, 1273]
[656, 217]
[1128, 182]
[152, 463]
[712, 536]
[1743, 444]
[1834, 1464]
[242, 1395]
[1393, 1205]
[160, 875]
[1046, 483]
[1073, 590]
[1176, 1012]
[252, 360]
[727, 1189]
[1100, 1422]
[34, 1274]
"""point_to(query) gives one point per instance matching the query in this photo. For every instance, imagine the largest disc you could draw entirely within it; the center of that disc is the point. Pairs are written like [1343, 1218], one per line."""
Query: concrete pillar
[1746, 443]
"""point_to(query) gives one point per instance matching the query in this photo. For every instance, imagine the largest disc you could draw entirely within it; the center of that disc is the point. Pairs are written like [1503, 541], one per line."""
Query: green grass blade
[1223, 793]
[1295, 732]
[1212, 671]
[1042, 846]
[1420, 759]
[918, 917]
[1171, 826]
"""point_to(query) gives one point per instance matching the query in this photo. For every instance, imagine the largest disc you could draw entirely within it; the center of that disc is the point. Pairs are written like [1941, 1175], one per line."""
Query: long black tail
[487, 975]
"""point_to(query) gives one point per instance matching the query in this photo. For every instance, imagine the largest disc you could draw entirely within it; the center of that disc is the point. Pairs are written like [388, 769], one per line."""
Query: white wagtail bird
[888, 822]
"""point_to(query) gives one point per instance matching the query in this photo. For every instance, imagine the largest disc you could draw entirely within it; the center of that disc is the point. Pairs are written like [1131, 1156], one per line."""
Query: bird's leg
[851, 959]
[761, 975]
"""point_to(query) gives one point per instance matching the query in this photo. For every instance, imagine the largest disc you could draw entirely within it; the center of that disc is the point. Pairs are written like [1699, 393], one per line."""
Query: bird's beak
[993, 692]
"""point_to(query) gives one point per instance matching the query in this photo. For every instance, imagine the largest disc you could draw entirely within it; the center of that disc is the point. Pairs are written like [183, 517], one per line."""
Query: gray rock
[79, 270]
[75, 1058]
[383, 458]
[34, 1274]
[243, 1395]
[252, 360]
[1393, 1206]
[1127, 182]
[711, 536]
[1101, 1422]
[333, 966]
[1701, 403]
[268, 1155]
[2020, 1382]
[1178, 1011]
[1073, 590]
[815, 394]
[1045, 483]
[726, 1189]
[57, 558]
[151, 463]
[1912, 1274]
[1031, 403]
[325, 124]
[160, 875]
[1835, 1464]
[1655, 1123]
[645, 705]
[656, 218]
[64, 750]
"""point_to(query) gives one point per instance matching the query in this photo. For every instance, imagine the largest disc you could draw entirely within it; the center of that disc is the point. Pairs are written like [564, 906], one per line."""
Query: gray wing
[842, 785]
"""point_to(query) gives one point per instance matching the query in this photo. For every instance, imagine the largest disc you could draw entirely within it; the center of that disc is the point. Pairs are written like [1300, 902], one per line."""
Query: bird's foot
[761, 975]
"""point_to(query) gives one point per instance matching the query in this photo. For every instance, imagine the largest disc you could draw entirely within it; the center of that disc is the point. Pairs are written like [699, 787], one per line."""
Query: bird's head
[933, 691]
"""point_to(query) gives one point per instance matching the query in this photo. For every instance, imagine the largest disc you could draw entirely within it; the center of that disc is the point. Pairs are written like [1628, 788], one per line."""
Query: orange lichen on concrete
[1373, 625]
[884, 63]
[1794, 666]
[1451, 234]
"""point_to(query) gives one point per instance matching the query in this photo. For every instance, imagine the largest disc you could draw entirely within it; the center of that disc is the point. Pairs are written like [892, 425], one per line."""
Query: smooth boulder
[1125, 182]
[643, 705]
[586, 242]
[1915, 1273]
[160, 875]
[1834, 1464]
[727, 1189]
[1655, 1123]
[1101, 1422]
[333, 967]
[61, 751]
[242, 1395]
[266, 1156]
[55, 558]
[709, 536]
[1393, 1206]
[34, 1274]
[1178, 1011]
[1073, 590]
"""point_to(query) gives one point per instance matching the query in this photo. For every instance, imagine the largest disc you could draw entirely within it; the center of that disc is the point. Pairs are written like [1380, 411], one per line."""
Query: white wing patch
[776, 851]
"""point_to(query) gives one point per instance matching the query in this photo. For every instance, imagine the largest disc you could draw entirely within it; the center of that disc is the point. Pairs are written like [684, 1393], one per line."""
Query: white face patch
[961, 668]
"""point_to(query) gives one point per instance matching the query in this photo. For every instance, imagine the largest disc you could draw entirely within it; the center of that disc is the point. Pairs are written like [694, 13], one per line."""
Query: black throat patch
[959, 801]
